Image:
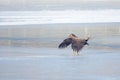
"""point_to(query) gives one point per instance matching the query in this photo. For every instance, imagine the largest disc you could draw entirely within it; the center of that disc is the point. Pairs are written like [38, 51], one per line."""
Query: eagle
[76, 43]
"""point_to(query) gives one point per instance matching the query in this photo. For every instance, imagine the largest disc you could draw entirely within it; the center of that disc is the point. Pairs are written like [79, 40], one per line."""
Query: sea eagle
[76, 43]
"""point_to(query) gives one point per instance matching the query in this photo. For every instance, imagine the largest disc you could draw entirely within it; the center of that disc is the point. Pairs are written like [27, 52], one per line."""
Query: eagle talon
[75, 53]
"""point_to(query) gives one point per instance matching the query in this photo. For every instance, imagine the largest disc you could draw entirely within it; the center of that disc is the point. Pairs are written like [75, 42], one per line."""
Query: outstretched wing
[65, 43]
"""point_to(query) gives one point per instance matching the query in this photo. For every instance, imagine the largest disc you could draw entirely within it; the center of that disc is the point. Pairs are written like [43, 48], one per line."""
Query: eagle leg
[75, 53]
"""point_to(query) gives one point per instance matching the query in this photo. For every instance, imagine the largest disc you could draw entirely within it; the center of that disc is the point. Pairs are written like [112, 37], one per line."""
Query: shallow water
[29, 52]
[18, 63]
[102, 35]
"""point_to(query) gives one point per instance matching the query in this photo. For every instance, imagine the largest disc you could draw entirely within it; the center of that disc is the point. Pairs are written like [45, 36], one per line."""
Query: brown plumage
[76, 43]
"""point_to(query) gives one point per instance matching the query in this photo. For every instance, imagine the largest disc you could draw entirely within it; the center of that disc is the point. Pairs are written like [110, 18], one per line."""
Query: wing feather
[65, 43]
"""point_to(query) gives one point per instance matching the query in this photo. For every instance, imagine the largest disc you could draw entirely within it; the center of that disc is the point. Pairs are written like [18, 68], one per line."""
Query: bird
[76, 43]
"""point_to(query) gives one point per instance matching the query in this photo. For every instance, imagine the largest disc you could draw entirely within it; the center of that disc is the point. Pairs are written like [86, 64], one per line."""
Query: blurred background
[31, 30]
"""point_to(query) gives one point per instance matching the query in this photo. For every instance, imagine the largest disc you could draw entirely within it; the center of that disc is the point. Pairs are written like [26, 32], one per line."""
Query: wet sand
[20, 63]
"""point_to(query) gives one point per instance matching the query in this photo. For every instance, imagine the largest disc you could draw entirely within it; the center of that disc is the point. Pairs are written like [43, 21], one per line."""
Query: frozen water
[62, 16]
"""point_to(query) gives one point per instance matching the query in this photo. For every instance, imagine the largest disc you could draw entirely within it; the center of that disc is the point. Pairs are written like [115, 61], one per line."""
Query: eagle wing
[65, 43]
